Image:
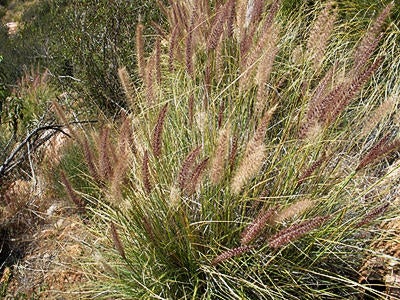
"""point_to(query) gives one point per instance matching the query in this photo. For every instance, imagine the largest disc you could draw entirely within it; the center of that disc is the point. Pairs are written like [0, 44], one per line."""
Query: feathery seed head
[370, 39]
[373, 214]
[231, 253]
[175, 196]
[217, 28]
[71, 193]
[383, 147]
[294, 210]
[259, 134]
[157, 134]
[117, 241]
[127, 85]
[196, 177]
[146, 173]
[220, 156]
[294, 232]
[157, 55]
[320, 33]
[186, 169]
[189, 46]
[255, 228]
[201, 120]
[248, 168]
[105, 153]
[311, 169]
[378, 115]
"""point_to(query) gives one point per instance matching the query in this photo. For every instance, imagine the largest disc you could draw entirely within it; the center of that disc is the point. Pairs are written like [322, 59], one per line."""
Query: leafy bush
[87, 41]
[82, 43]
[256, 161]
[100, 39]
[28, 103]
[26, 124]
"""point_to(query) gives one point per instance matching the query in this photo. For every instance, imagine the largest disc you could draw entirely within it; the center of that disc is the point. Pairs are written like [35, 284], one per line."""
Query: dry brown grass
[49, 269]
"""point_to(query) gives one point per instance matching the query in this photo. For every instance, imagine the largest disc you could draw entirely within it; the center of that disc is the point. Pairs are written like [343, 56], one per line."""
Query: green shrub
[87, 41]
[82, 43]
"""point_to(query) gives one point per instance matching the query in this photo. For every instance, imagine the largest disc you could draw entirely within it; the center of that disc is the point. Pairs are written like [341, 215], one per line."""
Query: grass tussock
[241, 171]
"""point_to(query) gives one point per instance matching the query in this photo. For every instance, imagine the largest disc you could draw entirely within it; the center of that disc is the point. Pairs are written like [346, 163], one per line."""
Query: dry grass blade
[140, 50]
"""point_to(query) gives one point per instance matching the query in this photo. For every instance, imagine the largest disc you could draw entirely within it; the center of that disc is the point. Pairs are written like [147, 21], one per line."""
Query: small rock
[59, 223]
[50, 211]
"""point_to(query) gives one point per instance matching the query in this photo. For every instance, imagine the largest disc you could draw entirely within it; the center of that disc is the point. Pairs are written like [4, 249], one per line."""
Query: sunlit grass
[172, 220]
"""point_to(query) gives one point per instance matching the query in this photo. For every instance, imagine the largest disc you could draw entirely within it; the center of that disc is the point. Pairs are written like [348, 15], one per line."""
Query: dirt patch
[382, 269]
[50, 267]
[43, 237]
